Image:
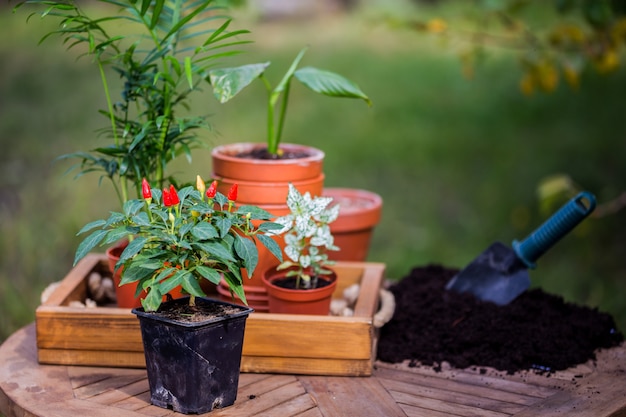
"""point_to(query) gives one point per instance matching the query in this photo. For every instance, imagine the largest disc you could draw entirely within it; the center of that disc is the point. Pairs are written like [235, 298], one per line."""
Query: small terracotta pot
[359, 213]
[126, 293]
[290, 301]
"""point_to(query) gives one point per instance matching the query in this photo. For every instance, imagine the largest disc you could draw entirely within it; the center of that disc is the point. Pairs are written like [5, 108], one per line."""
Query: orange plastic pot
[298, 301]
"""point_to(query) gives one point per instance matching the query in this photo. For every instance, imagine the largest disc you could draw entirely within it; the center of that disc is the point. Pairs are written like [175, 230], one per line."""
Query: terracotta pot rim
[226, 164]
[363, 216]
[227, 152]
[271, 275]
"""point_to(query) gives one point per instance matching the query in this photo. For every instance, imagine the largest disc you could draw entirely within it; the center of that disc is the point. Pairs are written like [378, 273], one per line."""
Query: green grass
[457, 162]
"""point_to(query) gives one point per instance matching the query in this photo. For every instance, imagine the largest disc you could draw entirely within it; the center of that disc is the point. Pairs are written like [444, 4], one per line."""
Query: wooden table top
[593, 389]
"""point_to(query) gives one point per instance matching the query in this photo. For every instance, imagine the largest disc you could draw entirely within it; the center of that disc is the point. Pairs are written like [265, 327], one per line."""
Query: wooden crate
[273, 343]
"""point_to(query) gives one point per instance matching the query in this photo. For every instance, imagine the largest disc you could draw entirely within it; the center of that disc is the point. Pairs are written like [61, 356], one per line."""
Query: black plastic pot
[193, 367]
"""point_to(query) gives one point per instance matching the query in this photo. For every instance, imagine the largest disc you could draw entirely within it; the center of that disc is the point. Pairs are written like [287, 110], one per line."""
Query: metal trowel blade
[496, 275]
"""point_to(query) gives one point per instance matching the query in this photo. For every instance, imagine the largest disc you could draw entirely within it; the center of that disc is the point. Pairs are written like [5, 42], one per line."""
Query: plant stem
[281, 116]
[122, 190]
[272, 144]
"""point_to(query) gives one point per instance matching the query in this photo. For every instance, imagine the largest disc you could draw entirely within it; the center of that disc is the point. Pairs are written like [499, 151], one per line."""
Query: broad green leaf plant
[162, 58]
[308, 237]
[183, 237]
[228, 82]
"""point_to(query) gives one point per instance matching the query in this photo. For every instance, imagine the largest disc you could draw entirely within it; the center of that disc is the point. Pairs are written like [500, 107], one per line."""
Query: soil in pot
[537, 330]
[263, 153]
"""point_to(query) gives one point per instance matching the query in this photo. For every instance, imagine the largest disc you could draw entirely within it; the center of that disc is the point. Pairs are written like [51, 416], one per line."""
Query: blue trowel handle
[557, 226]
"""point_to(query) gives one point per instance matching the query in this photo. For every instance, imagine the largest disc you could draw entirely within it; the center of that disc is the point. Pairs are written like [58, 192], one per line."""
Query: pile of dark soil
[536, 331]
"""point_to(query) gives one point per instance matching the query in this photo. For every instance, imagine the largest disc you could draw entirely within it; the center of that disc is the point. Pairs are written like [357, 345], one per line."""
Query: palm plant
[164, 56]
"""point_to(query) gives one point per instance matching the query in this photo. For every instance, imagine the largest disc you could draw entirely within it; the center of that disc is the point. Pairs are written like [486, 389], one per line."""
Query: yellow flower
[572, 77]
[548, 77]
[436, 26]
[607, 62]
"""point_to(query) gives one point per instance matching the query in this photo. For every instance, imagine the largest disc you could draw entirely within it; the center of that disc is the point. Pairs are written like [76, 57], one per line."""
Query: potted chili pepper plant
[157, 53]
[192, 345]
[304, 284]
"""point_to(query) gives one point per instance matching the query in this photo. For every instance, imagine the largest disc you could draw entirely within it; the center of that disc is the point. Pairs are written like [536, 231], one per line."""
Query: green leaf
[191, 284]
[235, 285]
[223, 225]
[189, 72]
[270, 227]
[246, 250]
[141, 219]
[215, 250]
[134, 274]
[156, 12]
[256, 213]
[145, 5]
[272, 246]
[169, 279]
[92, 225]
[133, 248]
[330, 84]
[228, 82]
[209, 273]
[117, 234]
[88, 244]
[204, 231]
[132, 207]
[152, 300]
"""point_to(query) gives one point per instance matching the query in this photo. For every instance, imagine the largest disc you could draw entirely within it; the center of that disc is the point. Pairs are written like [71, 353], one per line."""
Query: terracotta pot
[265, 183]
[360, 212]
[126, 293]
[301, 301]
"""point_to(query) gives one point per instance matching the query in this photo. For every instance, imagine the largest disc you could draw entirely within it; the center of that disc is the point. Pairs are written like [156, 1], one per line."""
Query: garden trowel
[500, 273]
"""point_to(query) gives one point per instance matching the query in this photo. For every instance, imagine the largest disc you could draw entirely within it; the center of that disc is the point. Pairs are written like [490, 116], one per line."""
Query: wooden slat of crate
[315, 345]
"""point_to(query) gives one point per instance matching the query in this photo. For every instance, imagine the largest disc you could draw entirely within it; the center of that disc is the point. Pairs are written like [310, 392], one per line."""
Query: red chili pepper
[167, 198]
[232, 193]
[145, 188]
[212, 190]
[174, 195]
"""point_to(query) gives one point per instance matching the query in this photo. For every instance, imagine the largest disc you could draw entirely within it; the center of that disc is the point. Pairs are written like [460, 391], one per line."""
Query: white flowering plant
[307, 237]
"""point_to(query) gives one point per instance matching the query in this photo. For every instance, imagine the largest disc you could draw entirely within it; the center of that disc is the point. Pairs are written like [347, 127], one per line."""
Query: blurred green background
[457, 161]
